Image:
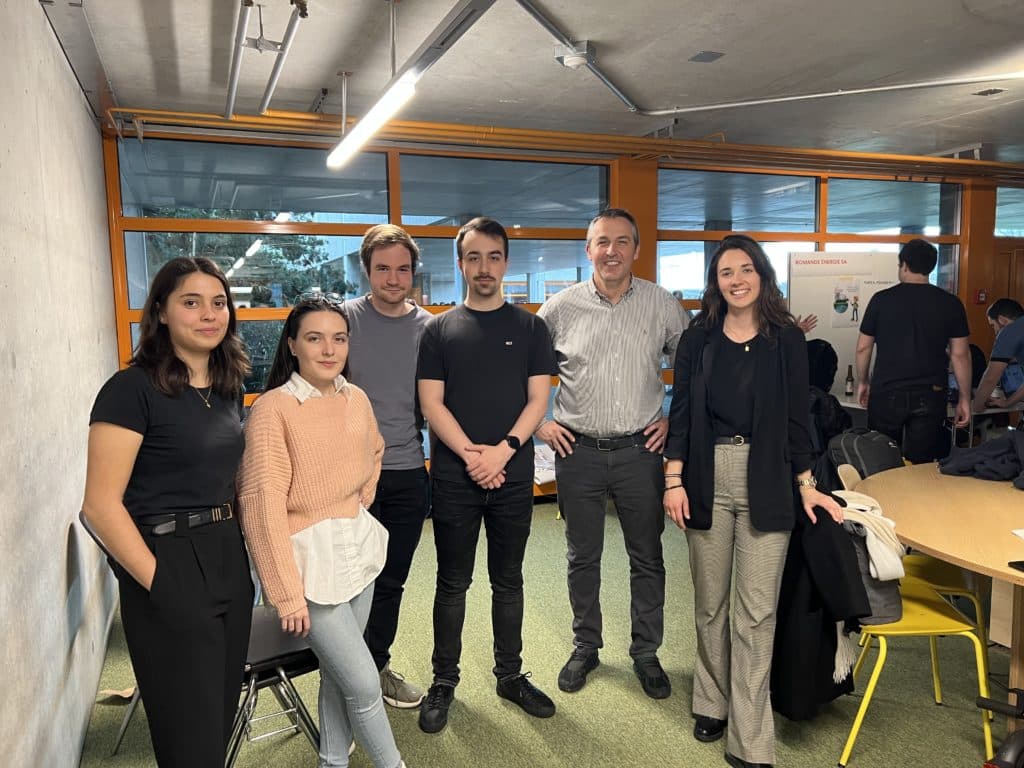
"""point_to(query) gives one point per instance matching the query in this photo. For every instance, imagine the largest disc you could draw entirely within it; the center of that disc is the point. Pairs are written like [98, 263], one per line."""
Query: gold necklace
[205, 398]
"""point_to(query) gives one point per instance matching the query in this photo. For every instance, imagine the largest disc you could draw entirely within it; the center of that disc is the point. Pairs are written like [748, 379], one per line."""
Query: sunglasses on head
[319, 297]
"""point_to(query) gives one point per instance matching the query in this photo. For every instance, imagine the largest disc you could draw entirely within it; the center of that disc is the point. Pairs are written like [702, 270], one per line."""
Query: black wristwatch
[513, 442]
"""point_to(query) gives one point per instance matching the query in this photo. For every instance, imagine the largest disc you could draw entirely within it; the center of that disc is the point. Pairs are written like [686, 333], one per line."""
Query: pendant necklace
[205, 398]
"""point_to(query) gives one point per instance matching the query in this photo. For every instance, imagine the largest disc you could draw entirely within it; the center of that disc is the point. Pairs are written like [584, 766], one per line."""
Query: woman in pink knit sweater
[310, 469]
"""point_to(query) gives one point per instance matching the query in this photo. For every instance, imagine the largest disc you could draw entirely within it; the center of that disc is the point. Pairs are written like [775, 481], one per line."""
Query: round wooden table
[962, 520]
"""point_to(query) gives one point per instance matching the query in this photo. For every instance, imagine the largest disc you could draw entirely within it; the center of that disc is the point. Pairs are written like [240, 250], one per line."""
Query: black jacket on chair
[780, 443]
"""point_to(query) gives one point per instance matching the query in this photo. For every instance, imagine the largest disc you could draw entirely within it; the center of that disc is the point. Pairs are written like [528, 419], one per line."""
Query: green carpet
[610, 722]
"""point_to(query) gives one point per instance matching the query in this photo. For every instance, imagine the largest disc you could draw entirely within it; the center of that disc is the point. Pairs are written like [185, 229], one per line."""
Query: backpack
[867, 450]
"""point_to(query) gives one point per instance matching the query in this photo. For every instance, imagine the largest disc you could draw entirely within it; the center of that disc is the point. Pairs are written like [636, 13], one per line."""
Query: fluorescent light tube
[385, 108]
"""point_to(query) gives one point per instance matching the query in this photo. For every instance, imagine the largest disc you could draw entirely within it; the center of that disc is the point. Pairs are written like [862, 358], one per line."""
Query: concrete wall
[56, 349]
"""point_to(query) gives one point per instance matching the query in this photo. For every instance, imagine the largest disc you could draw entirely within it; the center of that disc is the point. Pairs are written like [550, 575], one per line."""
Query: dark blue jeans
[459, 506]
[914, 419]
[401, 504]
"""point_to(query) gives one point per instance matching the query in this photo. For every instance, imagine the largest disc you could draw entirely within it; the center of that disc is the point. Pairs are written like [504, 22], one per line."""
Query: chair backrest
[93, 535]
[849, 476]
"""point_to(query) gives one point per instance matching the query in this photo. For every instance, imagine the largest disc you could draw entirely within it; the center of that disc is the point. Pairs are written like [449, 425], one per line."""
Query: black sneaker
[652, 677]
[519, 690]
[434, 709]
[574, 674]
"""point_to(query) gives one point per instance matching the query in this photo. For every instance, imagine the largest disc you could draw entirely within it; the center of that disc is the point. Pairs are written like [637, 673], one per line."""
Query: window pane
[260, 338]
[868, 207]
[944, 275]
[263, 270]
[1009, 212]
[682, 266]
[450, 191]
[191, 179]
[537, 270]
[751, 202]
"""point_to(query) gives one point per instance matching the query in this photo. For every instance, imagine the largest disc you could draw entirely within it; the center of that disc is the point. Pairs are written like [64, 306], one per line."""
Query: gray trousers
[732, 670]
[633, 479]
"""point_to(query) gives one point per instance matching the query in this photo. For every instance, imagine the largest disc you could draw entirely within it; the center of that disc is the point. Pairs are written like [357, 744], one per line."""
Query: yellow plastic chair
[925, 614]
[945, 578]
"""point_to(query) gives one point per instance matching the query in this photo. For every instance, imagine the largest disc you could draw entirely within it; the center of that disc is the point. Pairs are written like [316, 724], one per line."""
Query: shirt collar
[592, 284]
[303, 390]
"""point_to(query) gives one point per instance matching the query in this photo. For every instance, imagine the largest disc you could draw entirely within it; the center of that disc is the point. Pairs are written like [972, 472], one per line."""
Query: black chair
[272, 660]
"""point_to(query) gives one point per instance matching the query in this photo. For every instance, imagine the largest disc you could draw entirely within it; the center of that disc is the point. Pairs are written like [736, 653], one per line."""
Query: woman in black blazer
[737, 450]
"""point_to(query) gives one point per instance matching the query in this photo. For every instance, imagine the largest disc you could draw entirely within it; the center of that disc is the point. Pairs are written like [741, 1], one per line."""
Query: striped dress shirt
[610, 355]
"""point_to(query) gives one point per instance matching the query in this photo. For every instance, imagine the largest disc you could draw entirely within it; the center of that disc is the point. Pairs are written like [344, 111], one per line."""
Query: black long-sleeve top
[780, 442]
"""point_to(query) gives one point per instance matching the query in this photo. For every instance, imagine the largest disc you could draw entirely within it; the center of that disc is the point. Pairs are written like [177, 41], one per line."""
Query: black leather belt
[161, 525]
[733, 440]
[612, 443]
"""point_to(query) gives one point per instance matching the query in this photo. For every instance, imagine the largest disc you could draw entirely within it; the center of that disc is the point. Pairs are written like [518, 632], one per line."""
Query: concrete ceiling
[176, 55]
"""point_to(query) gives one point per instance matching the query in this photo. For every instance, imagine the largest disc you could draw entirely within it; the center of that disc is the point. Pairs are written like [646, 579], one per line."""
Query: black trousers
[633, 478]
[914, 419]
[188, 638]
[401, 505]
[458, 509]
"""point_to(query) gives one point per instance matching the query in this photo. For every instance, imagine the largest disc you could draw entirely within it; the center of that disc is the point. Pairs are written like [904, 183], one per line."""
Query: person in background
[1006, 318]
[386, 328]
[164, 445]
[913, 323]
[310, 469]
[738, 442]
[484, 375]
[611, 333]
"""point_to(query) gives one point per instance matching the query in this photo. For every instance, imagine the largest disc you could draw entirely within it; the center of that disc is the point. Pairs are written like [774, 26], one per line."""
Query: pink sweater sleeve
[264, 480]
[376, 444]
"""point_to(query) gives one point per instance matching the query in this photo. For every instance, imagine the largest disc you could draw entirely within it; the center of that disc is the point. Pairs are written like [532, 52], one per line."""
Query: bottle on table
[848, 391]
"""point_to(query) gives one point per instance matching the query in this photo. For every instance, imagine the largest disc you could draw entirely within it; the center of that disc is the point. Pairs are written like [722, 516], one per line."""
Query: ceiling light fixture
[402, 85]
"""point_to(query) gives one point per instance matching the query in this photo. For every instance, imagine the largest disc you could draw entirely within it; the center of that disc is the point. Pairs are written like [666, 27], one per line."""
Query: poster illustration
[846, 305]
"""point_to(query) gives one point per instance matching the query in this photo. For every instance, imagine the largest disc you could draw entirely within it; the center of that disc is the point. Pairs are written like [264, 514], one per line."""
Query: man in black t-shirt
[919, 330]
[484, 377]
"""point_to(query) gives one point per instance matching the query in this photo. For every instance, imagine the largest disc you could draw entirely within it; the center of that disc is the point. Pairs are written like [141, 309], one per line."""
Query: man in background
[913, 324]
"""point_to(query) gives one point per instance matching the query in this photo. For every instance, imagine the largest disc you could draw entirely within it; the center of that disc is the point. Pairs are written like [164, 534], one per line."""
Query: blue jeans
[350, 699]
[459, 506]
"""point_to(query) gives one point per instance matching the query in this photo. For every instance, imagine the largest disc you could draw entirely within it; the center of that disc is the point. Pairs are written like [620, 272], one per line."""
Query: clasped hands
[485, 464]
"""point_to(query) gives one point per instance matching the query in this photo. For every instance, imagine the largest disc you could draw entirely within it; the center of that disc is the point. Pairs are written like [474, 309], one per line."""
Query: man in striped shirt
[611, 334]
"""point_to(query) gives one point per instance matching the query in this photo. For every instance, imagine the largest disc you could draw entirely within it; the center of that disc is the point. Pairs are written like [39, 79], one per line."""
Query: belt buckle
[215, 514]
[604, 443]
[738, 440]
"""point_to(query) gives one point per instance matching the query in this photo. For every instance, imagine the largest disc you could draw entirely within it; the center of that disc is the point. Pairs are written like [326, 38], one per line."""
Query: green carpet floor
[610, 722]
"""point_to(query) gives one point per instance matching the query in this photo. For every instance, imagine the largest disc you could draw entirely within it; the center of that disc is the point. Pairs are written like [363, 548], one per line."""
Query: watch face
[513, 442]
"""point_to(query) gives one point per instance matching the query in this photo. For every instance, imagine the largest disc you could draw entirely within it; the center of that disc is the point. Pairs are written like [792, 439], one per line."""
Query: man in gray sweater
[385, 328]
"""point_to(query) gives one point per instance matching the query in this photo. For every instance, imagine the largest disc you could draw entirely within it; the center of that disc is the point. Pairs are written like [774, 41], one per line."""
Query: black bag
[867, 450]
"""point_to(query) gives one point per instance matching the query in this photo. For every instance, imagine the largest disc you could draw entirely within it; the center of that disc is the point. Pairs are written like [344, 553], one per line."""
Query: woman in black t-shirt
[738, 440]
[164, 445]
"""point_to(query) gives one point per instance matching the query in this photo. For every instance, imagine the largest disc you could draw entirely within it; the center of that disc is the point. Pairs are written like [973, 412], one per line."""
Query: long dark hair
[285, 364]
[772, 312]
[155, 354]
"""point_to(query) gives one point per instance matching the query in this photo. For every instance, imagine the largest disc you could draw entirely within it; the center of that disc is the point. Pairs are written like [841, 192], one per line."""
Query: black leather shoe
[519, 690]
[574, 674]
[735, 762]
[708, 729]
[434, 710]
[652, 677]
